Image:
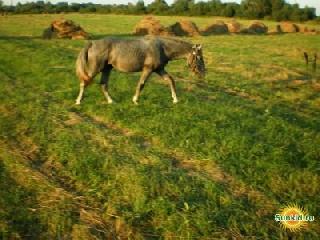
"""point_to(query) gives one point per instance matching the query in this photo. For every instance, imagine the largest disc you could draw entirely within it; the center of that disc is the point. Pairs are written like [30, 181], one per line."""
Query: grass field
[240, 144]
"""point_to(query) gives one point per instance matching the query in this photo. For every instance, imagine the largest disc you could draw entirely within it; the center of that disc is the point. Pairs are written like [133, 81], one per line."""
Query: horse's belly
[128, 65]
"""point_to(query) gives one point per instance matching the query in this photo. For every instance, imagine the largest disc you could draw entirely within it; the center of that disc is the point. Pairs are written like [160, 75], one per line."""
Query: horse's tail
[82, 64]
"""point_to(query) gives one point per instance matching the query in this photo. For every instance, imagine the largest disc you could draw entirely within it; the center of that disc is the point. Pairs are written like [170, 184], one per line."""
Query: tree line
[278, 10]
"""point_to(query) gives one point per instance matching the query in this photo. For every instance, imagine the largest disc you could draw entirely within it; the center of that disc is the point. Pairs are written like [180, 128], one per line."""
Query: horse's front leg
[172, 84]
[144, 77]
[80, 95]
[104, 84]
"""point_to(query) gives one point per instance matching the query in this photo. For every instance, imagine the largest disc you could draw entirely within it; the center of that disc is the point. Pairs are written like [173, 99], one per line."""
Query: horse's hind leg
[172, 84]
[104, 84]
[80, 96]
[144, 77]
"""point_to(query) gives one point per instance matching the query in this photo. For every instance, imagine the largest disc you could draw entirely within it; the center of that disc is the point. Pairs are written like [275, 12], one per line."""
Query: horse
[146, 55]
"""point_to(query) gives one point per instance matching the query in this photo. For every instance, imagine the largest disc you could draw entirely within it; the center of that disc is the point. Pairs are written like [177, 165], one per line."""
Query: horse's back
[132, 55]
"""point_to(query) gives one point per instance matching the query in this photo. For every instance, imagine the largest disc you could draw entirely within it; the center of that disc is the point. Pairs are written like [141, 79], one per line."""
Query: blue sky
[310, 3]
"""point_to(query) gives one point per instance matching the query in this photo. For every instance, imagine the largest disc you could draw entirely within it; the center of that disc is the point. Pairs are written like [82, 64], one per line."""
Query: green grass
[240, 144]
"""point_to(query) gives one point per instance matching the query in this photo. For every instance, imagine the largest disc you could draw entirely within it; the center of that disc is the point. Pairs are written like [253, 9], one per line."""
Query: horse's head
[196, 62]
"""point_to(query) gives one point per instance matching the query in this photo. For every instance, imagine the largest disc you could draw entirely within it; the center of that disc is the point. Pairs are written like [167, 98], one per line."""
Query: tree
[62, 7]
[181, 6]
[215, 7]
[1, 5]
[229, 10]
[310, 13]
[158, 7]
[256, 8]
[199, 9]
[139, 7]
[276, 8]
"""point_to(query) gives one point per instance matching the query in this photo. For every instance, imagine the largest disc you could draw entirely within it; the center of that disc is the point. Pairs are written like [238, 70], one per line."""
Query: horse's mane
[174, 47]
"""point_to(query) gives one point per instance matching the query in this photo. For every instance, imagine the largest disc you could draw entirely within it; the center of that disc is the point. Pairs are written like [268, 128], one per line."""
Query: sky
[302, 3]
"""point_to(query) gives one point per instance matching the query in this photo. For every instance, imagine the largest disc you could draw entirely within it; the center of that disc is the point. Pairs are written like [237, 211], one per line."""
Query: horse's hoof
[135, 100]
[77, 103]
[175, 101]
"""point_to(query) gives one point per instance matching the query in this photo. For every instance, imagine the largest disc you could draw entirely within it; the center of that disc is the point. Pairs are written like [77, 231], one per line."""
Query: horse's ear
[199, 46]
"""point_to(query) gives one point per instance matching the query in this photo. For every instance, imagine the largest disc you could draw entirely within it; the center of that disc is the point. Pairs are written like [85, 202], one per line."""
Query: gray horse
[146, 55]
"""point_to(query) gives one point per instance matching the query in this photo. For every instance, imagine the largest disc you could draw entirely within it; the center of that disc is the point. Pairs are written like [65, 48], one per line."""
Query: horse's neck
[176, 49]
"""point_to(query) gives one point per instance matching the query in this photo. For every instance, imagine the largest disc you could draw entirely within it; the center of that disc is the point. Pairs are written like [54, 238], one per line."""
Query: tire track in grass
[52, 196]
[227, 90]
[208, 170]
[201, 168]
[93, 215]
[103, 129]
[280, 109]
[31, 170]
[90, 214]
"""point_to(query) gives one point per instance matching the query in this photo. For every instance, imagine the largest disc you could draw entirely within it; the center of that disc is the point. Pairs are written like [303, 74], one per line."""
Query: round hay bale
[63, 25]
[150, 26]
[275, 30]
[185, 28]
[288, 27]
[219, 27]
[64, 29]
[234, 27]
[309, 31]
[258, 28]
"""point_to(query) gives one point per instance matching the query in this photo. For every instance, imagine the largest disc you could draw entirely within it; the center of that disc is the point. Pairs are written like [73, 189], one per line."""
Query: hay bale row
[288, 27]
[219, 27]
[151, 26]
[64, 29]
